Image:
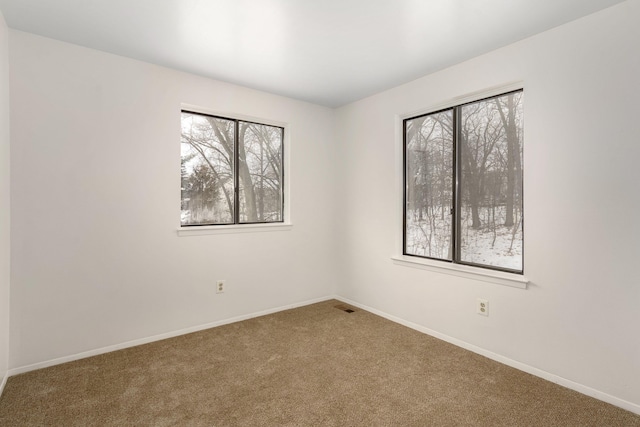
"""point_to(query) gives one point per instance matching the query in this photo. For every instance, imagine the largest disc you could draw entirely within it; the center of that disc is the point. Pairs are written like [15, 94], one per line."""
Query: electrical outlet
[220, 285]
[482, 307]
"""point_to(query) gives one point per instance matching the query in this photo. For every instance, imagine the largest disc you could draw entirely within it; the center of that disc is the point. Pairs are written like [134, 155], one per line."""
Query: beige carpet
[312, 366]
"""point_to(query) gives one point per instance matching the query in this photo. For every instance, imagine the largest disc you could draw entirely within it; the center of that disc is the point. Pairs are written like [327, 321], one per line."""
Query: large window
[231, 171]
[463, 184]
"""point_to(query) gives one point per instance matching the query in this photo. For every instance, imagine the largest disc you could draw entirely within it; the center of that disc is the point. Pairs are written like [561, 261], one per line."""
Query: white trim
[231, 115]
[133, 343]
[463, 99]
[469, 272]
[288, 129]
[580, 388]
[624, 404]
[234, 228]
[485, 275]
[3, 382]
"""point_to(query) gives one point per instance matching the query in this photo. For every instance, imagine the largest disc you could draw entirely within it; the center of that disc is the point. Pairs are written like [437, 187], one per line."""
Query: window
[463, 173]
[231, 171]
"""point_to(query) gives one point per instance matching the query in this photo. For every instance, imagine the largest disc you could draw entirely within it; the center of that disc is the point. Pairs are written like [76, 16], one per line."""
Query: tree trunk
[513, 156]
[227, 144]
[473, 184]
[246, 183]
[474, 200]
[261, 188]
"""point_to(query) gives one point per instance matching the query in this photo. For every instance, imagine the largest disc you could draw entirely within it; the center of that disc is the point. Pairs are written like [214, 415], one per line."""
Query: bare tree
[213, 142]
[514, 154]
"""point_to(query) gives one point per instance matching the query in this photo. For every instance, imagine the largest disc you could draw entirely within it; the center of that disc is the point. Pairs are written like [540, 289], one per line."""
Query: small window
[231, 171]
[463, 170]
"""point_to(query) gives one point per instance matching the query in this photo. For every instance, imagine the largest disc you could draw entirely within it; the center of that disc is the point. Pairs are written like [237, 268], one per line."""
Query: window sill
[498, 277]
[235, 228]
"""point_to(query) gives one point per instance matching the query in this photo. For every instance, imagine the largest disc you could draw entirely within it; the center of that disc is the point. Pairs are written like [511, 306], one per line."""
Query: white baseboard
[85, 354]
[4, 382]
[629, 406]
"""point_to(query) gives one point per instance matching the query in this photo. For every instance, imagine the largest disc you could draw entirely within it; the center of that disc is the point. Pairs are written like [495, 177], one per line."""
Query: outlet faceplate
[482, 307]
[220, 285]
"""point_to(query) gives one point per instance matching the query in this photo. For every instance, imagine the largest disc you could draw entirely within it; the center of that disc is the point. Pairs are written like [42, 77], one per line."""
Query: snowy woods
[485, 225]
[216, 168]
[463, 180]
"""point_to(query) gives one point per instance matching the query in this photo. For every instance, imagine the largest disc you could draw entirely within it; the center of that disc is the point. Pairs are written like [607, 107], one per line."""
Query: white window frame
[460, 270]
[285, 225]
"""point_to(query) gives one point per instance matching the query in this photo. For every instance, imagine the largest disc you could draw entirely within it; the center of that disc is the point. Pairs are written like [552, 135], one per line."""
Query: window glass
[207, 164]
[231, 171]
[463, 184]
[260, 172]
[491, 182]
[429, 177]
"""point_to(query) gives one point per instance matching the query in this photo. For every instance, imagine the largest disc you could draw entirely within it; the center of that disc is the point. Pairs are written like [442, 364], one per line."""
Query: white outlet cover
[220, 285]
[482, 307]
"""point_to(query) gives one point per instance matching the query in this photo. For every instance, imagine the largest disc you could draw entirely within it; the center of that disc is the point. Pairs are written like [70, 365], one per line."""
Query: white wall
[96, 260]
[95, 188]
[4, 198]
[579, 318]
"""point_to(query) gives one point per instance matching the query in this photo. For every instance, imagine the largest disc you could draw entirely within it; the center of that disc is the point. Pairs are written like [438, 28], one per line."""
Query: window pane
[207, 170]
[490, 141]
[260, 172]
[429, 185]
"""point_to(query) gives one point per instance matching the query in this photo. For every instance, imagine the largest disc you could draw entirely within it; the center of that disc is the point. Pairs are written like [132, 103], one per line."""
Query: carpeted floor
[312, 366]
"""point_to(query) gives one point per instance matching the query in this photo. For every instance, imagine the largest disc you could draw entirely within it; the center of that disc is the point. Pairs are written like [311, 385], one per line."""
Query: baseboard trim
[629, 406]
[580, 388]
[4, 382]
[133, 343]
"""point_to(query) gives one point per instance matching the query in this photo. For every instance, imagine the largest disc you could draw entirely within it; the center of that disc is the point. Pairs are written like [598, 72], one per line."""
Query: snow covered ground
[489, 245]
